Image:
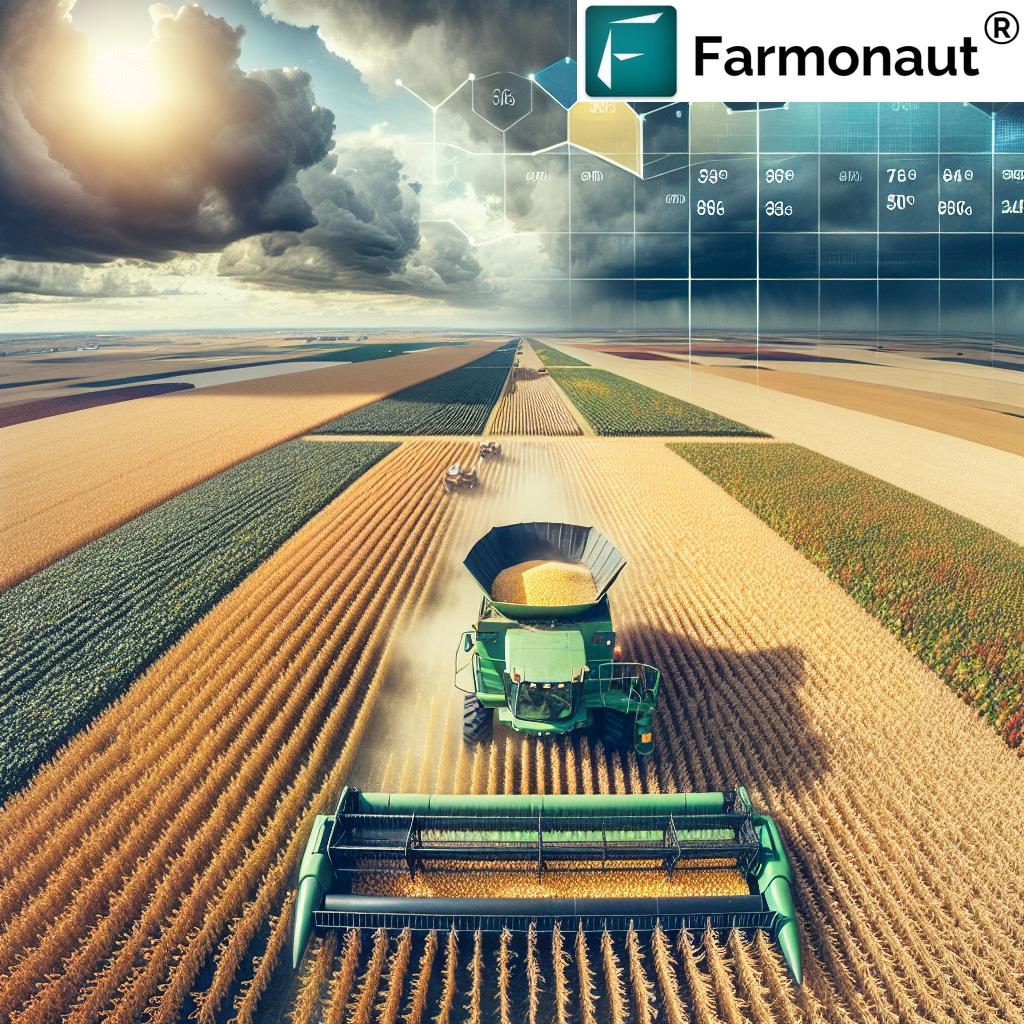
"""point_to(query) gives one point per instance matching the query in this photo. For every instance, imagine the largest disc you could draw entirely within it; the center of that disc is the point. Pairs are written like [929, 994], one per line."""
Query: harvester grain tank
[511, 861]
[548, 669]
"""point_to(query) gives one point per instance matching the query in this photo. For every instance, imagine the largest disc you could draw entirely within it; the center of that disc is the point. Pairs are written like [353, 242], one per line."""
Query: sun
[124, 79]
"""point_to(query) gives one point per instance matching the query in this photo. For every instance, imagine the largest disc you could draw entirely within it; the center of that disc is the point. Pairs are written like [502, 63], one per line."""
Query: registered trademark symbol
[1002, 27]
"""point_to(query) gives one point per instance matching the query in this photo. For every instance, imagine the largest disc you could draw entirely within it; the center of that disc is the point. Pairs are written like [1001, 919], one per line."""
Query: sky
[249, 163]
[343, 163]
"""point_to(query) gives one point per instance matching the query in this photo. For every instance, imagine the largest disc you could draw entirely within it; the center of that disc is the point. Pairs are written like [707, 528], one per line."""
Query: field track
[155, 857]
[127, 458]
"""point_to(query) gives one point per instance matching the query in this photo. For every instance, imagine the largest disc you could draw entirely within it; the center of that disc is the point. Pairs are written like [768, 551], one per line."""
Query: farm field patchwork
[553, 357]
[148, 869]
[973, 481]
[76, 634]
[950, 589]
[458, 402]
[129, 457]
[614, 405]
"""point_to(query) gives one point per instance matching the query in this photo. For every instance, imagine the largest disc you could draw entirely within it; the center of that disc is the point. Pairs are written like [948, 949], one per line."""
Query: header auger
[494, 862]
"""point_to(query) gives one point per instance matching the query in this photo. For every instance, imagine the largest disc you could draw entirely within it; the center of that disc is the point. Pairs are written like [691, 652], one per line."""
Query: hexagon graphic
[502, 99]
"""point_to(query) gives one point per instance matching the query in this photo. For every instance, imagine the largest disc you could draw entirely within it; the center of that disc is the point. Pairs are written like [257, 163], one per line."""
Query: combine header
[542, 655]
[491, 862]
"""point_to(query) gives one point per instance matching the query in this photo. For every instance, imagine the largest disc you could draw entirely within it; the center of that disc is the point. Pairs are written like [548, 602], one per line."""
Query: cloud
[366, 237]
[117, 279]
[215, 158]
[434, 43]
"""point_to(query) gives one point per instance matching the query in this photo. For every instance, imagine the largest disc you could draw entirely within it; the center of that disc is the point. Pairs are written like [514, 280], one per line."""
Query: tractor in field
[542, 656]
[456, 477]
[489, 449]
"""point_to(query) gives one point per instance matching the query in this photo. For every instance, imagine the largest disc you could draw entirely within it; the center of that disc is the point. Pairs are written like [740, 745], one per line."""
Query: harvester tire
[477, 720]
[616, 730]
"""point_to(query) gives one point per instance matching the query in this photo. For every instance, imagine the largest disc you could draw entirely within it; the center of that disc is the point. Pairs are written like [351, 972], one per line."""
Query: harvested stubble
[127, 458]
[546, 583]
[580, 879]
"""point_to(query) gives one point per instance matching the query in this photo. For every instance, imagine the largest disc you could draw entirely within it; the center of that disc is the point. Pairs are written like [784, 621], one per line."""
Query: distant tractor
[543, 655]
[489, 449]
[543, 371]
[455, 478]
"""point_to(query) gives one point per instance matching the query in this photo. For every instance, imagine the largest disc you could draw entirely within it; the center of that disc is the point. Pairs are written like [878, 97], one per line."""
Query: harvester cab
[542, 656]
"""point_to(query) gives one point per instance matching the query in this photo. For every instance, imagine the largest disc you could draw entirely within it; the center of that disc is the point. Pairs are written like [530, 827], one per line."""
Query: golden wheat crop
[126, 458]
[533, 404]
[179, 816]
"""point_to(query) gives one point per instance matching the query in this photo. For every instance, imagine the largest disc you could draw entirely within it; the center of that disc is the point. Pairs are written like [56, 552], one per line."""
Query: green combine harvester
[362, 865]
[549, 669]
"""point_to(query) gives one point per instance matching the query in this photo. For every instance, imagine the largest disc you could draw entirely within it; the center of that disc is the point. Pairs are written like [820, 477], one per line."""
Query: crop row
[552, 357]
[501, 358]
[614, 405]
[78, 632]
[162, 842]
[457, 402]
[532, 404]
[951, 590]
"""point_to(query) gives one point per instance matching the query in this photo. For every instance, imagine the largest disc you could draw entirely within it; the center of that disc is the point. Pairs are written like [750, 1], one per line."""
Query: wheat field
[69, 479]
[147, 872]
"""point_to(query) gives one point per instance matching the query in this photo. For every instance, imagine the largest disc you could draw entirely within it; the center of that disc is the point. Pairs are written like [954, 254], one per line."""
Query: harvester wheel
[477, 720]
[616, 730]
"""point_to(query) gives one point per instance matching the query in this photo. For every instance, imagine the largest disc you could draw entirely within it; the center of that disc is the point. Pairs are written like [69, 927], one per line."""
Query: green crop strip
[552, 357]
[950, 589]
[615, 406]
[74, 636]
[456, 402]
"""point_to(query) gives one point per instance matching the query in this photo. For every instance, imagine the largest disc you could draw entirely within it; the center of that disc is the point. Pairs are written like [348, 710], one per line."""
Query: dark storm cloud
[214, 161]
[366, 238]
[434, 43]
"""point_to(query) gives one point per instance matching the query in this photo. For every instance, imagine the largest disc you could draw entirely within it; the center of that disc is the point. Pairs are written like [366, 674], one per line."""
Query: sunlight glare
[124, 79]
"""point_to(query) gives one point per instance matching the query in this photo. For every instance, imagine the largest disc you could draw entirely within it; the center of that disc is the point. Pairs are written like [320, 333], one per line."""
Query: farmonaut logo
[630, 50]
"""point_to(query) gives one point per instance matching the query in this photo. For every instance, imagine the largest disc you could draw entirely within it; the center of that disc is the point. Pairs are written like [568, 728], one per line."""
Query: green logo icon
[630, 51]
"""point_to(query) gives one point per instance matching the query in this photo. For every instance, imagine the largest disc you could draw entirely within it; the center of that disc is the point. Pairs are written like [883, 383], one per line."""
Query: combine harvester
[544, 659]
[685, 860]
[542, 656]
